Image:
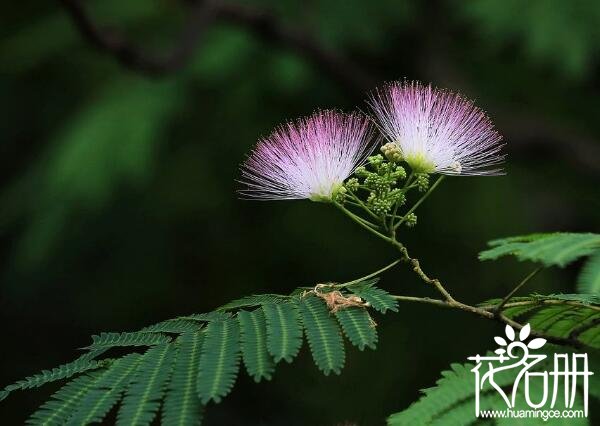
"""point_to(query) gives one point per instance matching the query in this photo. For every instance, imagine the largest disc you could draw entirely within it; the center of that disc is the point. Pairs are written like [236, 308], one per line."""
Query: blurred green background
[118, 184]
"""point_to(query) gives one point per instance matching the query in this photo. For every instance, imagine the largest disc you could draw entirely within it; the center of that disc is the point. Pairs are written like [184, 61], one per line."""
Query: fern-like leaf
[219, 361]
[379, 299]
[182, 406]
[173, 326]
[144, 394]
[84, 363]
[587, 299]
[284, 330]
[106, 391]
[323, 335]
[358, 326]
[207, 316]
[62, 404]
[253, 328]
[589, 277]
[255, 300]
[109, 340]
[550, 249]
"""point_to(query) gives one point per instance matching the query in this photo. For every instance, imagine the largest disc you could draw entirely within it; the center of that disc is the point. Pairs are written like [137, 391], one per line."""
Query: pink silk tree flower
[437, 131]
[309, 158]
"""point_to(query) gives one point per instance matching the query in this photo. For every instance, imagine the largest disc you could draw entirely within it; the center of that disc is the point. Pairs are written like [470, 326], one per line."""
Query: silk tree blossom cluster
[310, 158]
[436, 131]
[431, 130]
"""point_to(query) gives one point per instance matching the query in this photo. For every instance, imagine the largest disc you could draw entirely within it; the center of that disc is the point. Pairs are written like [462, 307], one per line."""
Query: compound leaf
[323, 334]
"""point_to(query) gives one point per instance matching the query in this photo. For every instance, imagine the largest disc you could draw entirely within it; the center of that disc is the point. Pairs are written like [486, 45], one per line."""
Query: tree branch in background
[112, 42]
[201, 15]
[523, 131]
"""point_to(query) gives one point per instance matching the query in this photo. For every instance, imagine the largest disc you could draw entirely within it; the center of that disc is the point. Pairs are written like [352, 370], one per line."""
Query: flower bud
[410, 220]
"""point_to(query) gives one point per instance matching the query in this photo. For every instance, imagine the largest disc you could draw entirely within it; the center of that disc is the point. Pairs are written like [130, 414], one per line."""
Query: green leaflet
[108, 340]
[182, 406]
[284, 330]
[106, 392]
[358, 326]
[173, 326]
[323, 334]
[588, 299]
[85, 362]
[589, 277]
[591, 335]
[219, 360]
[144, 394]
[255, 300]
[253, 328]
[550, 249]
[207, 317]
[61, 405]
[379, 299]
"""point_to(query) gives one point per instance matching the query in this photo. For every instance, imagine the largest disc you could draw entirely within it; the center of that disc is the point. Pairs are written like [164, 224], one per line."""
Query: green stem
[371, 275]
[517, 288]
[360, 221]
[363, 205]
[418, 203]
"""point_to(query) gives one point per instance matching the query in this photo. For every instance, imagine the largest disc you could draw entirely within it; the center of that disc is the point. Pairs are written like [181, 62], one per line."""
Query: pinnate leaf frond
[358, 326]
[255, 300]
[182, 406]
[557, 249]
[106, 392]
[109, 340]
[379, 299]
[63, 403]
[589, 277]
[176, 325]
[86, 362]
[323, 335]
[284, 330]
[176, 366]
[219, 360]
[144, 394]
[253, 328]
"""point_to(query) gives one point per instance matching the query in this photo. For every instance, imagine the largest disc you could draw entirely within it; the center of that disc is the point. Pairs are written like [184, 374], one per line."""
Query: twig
[418, 203]
[489, 312]
[371, 275]
[202, 13]
[133, 57]
[481, 312]
[517, 288]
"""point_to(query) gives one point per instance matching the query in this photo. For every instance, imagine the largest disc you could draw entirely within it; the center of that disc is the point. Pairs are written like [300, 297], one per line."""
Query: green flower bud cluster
[339, 195]
[392, 152]
[422, 182]
[380, 179]
[410, 220]
[384, 180]
[352, 184]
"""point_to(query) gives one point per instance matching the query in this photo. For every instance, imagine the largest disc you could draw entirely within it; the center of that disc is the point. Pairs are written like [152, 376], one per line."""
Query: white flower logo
[536, 343]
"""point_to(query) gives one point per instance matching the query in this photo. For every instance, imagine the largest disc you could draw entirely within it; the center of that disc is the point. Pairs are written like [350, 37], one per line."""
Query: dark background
[121, 140]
